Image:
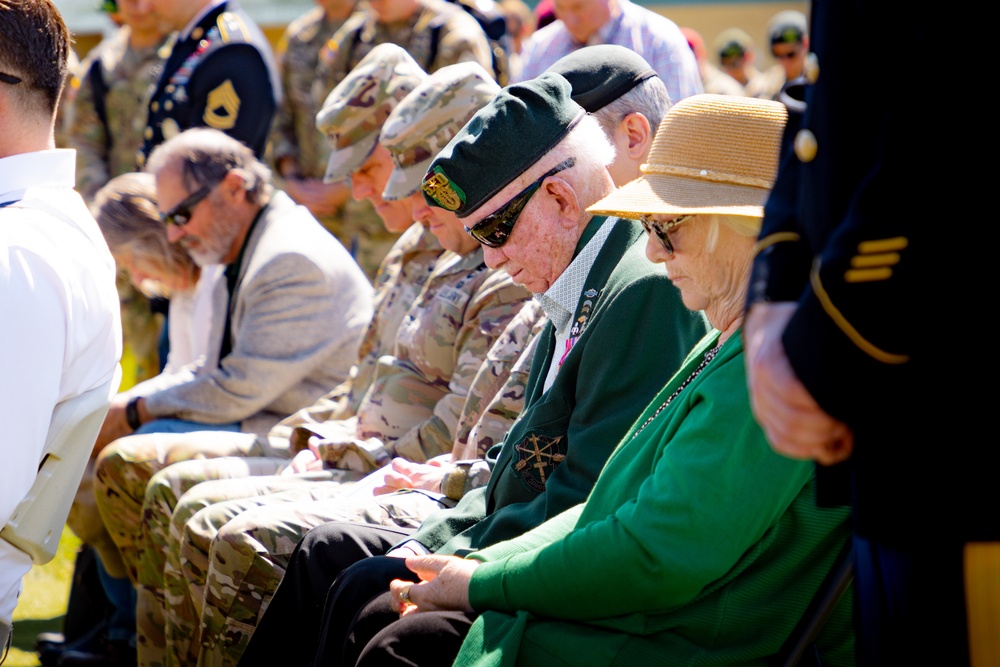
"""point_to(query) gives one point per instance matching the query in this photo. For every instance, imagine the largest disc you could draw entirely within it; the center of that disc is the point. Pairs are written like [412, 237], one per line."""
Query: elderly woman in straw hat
[698, 544]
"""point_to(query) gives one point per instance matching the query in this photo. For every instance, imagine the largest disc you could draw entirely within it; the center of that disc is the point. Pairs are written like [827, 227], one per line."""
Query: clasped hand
[444, 585]
[795, 424]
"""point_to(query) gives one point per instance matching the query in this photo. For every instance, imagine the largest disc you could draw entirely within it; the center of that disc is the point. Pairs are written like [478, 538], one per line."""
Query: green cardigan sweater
[698, 545]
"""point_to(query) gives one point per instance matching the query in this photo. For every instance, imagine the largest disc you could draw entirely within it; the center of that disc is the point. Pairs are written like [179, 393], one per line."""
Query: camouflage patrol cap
[787, 27]
[353, 112]
[428, 118]
[732, 43]
[518, 127]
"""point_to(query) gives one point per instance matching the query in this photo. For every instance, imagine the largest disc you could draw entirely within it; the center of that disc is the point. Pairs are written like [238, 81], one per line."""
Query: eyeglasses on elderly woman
[662, 229]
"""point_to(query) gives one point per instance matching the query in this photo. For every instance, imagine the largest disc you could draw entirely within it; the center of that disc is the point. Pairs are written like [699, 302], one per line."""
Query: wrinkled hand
[444, 587]
[115, 425]
[795, 424]
[405, 474]
[307, 460]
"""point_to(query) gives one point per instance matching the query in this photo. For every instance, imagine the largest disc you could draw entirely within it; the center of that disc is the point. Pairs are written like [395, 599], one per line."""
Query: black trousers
[291, 627]
[350, 594]
[911, 604]
[378, 636]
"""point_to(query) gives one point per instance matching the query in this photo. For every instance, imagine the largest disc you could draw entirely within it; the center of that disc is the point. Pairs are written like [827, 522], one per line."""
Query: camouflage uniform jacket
[221, 75]
[103, 152]
[400, 278]
[495, 401]
[295, 134]
[497, 394]
[439, 33]
[355, 224]
[413, 405]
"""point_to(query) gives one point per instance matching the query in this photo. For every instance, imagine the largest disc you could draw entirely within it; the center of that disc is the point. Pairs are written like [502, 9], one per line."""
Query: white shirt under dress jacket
[60, 326]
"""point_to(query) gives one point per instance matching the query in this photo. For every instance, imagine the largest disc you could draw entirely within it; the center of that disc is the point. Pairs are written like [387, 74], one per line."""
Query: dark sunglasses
[786, 56]
[180, 215]
[495, 229]
[661, 229]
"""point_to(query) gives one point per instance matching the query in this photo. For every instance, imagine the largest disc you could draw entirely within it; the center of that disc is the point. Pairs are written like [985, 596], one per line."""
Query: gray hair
[126, 212]
[650, 98]
[205, 156]
[588, 145]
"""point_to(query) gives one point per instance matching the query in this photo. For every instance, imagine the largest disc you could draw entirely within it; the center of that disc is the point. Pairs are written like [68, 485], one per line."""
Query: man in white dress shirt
[60, 328]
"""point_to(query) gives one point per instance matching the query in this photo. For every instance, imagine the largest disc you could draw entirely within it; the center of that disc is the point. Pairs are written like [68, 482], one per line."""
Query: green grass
[42, 604]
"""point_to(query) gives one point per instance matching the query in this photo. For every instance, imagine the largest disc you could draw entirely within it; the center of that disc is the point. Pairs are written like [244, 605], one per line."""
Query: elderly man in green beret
[521, 175]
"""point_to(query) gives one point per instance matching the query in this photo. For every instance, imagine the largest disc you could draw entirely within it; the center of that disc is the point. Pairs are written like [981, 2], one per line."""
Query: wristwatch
[132, 413]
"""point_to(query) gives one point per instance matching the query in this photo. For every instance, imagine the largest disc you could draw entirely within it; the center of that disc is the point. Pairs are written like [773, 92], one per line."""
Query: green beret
[511, 133]
[602, 73]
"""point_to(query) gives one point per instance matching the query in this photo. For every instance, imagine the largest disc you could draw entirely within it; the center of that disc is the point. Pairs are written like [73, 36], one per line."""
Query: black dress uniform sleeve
[231, 91]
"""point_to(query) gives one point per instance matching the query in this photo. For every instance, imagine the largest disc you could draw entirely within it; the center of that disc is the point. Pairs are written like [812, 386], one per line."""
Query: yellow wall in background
[709, 19]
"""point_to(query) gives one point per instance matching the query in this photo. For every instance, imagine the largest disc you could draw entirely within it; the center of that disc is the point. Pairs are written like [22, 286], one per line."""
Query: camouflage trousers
[124, 468]
[228, 554]
[164, 493]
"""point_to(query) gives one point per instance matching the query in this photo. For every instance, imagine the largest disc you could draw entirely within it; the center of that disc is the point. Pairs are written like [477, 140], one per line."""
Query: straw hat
[712, 154]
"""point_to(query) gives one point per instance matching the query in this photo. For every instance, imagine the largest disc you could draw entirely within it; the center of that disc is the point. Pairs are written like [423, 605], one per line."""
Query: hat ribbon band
[706, 175]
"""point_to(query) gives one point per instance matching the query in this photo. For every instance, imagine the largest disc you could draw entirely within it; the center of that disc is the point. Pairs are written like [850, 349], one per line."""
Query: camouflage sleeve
[464, 477]
[497, 393]
[493, 306]
[463, 40]
[488, 423]
[87, 135]
[283, 142]
[331, 406]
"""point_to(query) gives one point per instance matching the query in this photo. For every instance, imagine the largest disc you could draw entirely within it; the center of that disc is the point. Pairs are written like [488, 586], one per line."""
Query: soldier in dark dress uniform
[220, 73]
[852, 361]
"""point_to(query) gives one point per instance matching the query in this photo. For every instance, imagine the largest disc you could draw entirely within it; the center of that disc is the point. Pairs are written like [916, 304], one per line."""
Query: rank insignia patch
[222, 107]
[443, 190]
[537, 456]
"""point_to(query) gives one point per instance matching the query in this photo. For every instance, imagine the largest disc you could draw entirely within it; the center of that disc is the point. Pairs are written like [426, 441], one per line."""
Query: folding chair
[800, 647]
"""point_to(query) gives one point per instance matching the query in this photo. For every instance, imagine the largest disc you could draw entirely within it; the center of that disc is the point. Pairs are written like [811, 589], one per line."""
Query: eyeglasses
[495, 229]
[180, 215]
[662, 229]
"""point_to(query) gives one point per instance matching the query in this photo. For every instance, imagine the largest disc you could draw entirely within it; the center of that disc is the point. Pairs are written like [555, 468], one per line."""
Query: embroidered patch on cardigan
[537, 456]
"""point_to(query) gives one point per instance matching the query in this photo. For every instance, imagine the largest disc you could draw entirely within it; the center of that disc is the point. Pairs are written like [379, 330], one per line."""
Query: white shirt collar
[40, 169]
[559, 301]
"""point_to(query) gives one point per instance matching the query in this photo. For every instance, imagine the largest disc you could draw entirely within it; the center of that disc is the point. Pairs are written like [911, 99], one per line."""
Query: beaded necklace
[709, 355]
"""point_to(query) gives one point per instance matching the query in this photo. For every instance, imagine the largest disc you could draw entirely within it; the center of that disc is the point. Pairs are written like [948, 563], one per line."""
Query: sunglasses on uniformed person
[786, 56]
[180, 215]
[495, 229]
[661, 229]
